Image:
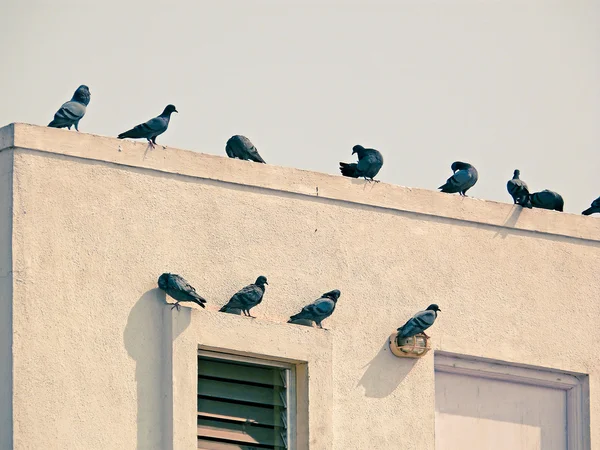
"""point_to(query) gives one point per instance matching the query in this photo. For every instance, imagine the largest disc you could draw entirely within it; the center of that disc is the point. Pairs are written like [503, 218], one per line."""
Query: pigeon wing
[68, 114]
[417, 324]
[457, 182]
[187, 292]
[147, 130]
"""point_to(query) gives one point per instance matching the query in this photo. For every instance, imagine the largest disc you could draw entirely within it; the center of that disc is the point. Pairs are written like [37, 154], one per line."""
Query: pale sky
[500, 84]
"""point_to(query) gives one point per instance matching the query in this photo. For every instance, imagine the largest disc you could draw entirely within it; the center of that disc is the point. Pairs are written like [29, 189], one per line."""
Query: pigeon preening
[464, 178]
[178, 288]
[369, 164]
[518, 189]
[240, 147]
[73, 111]
[419, 322]
[547, 200]
[595, 208]
[319, 310]
[151, 129]
[247, 298]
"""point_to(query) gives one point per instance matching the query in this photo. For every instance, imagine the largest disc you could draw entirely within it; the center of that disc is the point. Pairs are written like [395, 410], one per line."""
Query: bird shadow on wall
[385, 372]
[510, 222]
[148, 338]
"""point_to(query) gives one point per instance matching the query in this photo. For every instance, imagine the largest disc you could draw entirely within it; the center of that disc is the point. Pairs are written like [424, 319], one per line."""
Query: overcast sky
[500, 84]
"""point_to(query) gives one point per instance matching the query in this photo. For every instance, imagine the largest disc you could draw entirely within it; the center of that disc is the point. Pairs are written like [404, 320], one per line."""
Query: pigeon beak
[266, 282]
[175, 111]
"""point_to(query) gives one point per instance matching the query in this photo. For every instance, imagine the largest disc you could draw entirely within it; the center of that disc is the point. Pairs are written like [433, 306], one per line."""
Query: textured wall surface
[97, 220]
[6, 280]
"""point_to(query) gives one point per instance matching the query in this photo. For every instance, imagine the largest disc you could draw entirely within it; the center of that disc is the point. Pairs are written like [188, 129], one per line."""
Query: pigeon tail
[349, 170]
[591, 210]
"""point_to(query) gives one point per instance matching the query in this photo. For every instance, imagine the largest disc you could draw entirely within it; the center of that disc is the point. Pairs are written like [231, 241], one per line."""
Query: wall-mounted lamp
[415, 346]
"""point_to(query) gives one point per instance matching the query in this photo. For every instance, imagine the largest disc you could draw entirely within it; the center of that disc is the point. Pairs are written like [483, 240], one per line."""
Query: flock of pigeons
[248, 297]
[369, 162]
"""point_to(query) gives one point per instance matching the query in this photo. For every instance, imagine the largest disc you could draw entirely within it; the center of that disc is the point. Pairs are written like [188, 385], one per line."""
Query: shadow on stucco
[148, 338]
[510, 222]
[385, 372]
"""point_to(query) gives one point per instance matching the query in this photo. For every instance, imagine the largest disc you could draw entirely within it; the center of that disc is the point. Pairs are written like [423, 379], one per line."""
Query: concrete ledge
[296, 181]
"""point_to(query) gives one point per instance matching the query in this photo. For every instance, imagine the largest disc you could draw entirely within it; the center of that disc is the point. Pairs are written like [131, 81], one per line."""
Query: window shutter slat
[239, 392]
[242, 413]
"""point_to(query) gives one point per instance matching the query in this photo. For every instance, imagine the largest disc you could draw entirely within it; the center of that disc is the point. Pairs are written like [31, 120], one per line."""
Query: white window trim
[576, 387]
[290, 382]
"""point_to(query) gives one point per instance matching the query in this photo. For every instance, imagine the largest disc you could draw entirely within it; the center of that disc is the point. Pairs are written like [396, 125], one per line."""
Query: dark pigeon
[595, 208]
[464, 178]
[178, 288]
[151, 129]
[73, 111]
[518, 189]
[240, 147]
[547, 200]
[419, 322]
[319, 310]
[247, 298]
[369, 164]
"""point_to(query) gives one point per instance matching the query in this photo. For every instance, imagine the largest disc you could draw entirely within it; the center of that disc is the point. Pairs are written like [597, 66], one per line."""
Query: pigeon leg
[424, 334]
[176, 305]
[76, 124]
[150, 143]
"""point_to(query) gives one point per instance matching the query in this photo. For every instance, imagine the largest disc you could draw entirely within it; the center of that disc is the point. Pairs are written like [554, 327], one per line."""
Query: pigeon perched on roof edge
[595, 208]
[464, 178]
[240, 147]
[71, 112]
[547, 199]
[518, 190]
[152, 129]
[369, 163]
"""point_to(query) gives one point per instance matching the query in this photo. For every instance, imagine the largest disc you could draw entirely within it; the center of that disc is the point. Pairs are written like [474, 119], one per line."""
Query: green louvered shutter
[242, 405]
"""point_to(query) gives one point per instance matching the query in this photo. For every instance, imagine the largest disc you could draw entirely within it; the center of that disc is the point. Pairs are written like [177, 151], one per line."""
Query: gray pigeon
[465, 176]
[518, 189]
[547, 200]
[178, 288]
[369, 164]
[320, 309]
[151, 129]
[247, 298]
[73, 111]
[239, 146]
[419, 322]
[595, 208]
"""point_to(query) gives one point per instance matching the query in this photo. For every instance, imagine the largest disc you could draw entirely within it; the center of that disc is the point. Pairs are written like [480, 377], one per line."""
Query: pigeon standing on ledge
[151, 129]
[319, 310]
[239, 146]
[464, 178]
[178, 288]
[369, 163]
[419, 322]
[247, 298]
[547, 200]
[518, 190]
[595, 208]
[72, 112]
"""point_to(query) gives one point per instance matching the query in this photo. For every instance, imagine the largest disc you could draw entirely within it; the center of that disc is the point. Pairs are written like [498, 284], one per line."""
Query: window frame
[576, 386]
[290, 381]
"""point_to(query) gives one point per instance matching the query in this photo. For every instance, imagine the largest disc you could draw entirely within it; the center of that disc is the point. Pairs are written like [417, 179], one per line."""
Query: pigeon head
[433, 307]
[516, 174]
[333, 295]
[357, 149]
[169, 110]
[163, 280]
[82, 95]
[261, 281]
[459, 165]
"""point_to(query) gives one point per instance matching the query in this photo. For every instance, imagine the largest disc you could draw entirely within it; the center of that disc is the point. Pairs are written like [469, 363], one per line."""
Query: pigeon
[240, 147]
[247, 298]
[419, 322]
[178, 288]
[547, 200]
[595, 208]
[518, 189]
[73, 111]
[320, 309]
[151, 129]
[465, 176]
[369, 164]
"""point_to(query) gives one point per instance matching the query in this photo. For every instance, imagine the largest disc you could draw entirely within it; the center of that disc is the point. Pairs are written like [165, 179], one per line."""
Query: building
[92, 358]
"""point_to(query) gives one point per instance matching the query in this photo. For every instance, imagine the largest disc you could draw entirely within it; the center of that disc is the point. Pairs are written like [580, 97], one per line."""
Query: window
[490, 404]
[244, 403]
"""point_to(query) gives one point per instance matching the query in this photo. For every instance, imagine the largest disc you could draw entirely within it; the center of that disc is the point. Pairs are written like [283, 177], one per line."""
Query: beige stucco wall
[99, 362]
